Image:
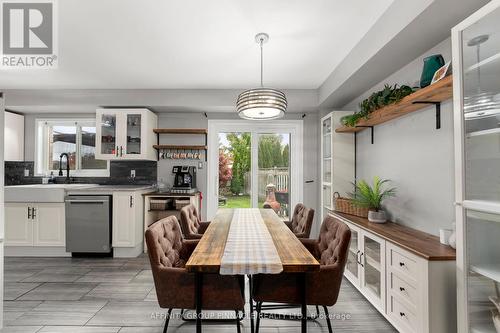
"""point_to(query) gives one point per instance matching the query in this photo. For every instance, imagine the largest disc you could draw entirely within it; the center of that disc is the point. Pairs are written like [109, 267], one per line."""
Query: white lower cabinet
[366, 265]
[414, 294]
[127, 219]
[34, 224]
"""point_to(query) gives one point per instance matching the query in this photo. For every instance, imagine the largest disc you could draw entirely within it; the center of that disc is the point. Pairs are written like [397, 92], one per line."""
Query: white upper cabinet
[125, 134]
[14, 137]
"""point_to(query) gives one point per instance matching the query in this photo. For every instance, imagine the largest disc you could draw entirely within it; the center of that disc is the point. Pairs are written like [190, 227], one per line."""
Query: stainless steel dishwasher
[88, 224]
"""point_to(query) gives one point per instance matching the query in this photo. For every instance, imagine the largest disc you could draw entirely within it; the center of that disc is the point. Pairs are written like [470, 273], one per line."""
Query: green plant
[371, 197]
[388, 95]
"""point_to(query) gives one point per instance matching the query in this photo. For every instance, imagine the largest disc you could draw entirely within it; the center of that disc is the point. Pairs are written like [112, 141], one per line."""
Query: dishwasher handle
[99, 202]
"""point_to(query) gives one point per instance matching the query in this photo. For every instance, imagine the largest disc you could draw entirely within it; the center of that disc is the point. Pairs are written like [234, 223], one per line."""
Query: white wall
[414, 155]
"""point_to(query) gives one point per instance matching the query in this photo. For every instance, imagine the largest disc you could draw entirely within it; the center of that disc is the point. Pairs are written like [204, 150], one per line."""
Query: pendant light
[261, 103]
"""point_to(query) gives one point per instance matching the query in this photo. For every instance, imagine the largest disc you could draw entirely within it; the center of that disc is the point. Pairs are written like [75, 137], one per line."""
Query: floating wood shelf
[430, 95]
[180, 131]
[189, 131]
[185, 147]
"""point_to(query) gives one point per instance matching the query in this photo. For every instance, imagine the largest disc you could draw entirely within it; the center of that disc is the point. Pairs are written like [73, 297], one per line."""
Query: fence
[277, 176]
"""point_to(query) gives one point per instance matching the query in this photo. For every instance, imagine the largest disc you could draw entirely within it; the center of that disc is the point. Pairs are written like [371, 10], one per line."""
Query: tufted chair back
[164, 241]
[302, 221]
[333, 242]
[190, 220]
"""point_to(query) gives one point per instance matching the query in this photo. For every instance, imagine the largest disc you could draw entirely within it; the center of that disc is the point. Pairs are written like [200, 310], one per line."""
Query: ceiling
[199, 44]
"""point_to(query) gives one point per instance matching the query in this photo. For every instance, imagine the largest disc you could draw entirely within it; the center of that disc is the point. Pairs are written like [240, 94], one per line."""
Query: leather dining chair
[322, 287]
[302, 221]
[192, 227]
[175, 287]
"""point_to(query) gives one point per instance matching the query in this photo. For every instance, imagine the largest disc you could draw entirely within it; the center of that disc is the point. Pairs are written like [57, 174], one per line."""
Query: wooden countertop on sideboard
[418, 242]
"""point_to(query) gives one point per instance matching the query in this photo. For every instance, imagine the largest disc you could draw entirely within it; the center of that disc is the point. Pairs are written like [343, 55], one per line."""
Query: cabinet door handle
[131, 201]
[33, 213]
[357, 257]
[29, 213]
[402, 289]
[117, 151]
[402, 314]
[121, 151]
[402, 264]
[361, 259]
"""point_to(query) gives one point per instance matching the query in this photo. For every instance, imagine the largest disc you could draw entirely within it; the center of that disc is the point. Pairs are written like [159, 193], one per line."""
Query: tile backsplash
[145, 174]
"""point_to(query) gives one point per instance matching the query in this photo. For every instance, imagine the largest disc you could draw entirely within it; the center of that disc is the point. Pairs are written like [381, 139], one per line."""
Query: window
[77, 138]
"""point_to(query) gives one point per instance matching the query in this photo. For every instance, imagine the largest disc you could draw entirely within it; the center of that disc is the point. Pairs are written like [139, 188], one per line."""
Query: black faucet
[67, 181]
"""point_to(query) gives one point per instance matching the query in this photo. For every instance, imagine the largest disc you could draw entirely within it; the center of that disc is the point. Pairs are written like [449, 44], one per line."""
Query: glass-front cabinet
[365, 266]
[326, 165]
[125, 134]
[476, 67]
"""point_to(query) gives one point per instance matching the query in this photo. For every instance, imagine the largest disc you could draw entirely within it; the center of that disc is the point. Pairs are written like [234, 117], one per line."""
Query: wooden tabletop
[418, 242]
[207, 256]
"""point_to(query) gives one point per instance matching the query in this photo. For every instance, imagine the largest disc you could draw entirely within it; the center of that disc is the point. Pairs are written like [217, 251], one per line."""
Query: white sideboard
[405, 273]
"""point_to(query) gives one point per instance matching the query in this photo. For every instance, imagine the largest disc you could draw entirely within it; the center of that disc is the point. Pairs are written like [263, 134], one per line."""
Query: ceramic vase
[431, 65]
[377, 217]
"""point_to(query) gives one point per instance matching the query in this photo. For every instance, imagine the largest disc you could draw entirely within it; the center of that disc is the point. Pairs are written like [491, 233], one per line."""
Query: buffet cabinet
[410, 283]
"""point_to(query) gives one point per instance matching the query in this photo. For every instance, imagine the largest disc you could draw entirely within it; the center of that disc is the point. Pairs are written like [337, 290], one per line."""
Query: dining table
[249, 241]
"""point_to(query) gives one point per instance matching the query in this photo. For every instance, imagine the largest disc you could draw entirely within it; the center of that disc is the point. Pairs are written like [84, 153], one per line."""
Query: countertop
[84, 187]
[418, 242]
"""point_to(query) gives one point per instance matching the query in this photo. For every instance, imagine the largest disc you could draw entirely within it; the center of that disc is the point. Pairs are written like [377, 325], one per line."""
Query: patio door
[254, 165]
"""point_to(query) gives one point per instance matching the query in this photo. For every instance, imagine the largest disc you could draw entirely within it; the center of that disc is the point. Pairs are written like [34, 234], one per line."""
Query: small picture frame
[441, 72]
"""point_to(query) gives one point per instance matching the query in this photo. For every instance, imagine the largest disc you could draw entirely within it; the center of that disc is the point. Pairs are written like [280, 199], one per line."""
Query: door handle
[29, 213]
[33, 213]
[116, 151]
[361, 260]
[357, 257]
[131, 201]
[121, 151]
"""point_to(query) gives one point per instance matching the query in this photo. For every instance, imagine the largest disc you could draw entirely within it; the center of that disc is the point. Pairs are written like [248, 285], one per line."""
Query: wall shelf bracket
[371, 129]
[438, 110]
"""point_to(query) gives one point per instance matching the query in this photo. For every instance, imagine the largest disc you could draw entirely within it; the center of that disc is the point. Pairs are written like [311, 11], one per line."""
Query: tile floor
[80, 295]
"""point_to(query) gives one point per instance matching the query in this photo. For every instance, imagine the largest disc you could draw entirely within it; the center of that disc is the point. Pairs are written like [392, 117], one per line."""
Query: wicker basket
[180, 203]
[345, 205]
[159, 204]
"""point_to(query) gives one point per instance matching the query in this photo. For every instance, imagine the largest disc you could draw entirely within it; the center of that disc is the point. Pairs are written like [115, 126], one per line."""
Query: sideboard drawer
[402, 315]
[403, 289]
[403, 263]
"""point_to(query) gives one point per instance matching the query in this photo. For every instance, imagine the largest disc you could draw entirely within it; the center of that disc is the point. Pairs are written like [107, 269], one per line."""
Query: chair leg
[238, 328]
[317, 311]
[250, 300]
[327, 315]
[167, 320]
[257, 324]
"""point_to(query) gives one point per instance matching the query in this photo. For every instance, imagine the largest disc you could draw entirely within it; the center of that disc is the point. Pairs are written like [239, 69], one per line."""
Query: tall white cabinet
[2, 209]
[337, 160]
[125, 134]
[476, 67]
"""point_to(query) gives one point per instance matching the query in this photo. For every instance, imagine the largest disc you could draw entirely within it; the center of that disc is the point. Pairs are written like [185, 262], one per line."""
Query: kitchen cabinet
[337, 161]
[127, 219]
[14, 137]
[415, 293]
[125, 134]
[366, 265]
[40, 224]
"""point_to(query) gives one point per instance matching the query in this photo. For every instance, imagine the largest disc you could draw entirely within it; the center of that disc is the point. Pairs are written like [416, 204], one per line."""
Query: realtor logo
[28, 37]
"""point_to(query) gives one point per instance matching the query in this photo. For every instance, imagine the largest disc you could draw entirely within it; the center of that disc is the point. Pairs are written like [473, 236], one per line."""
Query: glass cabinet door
[352, 266]
[134, 122]
[109, 145]
[373, 264]
[481, 108]
[483, 286]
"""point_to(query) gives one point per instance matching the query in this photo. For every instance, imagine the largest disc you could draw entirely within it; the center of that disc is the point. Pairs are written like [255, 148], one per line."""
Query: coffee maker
[184, 179]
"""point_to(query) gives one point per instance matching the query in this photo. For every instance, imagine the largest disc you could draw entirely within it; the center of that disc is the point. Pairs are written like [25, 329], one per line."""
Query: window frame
[42, 147]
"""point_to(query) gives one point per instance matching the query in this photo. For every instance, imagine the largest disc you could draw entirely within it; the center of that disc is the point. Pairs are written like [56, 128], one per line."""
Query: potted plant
[371, 197]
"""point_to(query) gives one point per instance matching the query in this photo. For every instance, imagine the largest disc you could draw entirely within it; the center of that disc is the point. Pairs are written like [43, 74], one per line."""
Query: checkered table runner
[249, 246]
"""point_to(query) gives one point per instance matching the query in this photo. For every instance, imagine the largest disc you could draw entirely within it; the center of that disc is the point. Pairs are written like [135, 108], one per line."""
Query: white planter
[377, 217]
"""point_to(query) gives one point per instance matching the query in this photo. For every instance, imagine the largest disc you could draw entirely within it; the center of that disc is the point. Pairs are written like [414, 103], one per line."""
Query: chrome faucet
[67, 181]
